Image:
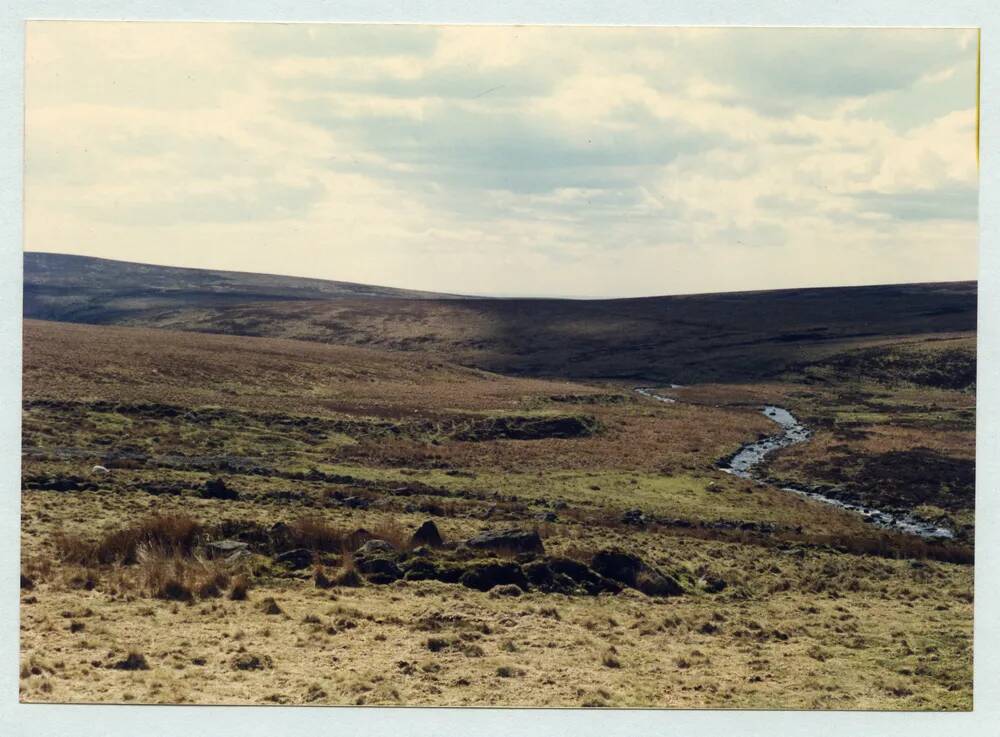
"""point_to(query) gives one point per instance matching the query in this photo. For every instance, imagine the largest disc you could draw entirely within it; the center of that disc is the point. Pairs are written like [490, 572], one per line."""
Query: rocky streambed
[746, 461]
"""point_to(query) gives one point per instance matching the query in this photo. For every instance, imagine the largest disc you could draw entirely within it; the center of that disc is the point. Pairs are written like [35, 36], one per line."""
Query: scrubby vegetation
[287, 522]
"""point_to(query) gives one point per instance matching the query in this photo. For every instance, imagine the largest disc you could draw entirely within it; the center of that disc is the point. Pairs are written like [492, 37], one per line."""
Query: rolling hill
[691, 338]
[103, 291]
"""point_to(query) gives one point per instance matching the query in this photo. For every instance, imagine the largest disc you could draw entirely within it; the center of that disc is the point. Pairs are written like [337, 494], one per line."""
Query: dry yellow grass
[120, 606]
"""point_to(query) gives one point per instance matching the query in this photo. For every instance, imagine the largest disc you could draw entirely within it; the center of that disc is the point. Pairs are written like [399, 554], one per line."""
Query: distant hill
[96, 290]
[709, 337]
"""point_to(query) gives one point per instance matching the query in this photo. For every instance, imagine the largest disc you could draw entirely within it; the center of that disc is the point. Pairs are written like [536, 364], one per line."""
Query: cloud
[957, 203]
[538, 160]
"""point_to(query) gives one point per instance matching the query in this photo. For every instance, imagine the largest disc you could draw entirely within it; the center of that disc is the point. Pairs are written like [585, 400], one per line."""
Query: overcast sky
[508, 161]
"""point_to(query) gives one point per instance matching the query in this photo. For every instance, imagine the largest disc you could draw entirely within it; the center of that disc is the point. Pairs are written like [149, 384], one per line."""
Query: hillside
[711, 337]
[102, 291]
[296, 453]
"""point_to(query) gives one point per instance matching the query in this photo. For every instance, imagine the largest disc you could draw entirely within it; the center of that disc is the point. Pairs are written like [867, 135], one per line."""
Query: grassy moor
[246, 490]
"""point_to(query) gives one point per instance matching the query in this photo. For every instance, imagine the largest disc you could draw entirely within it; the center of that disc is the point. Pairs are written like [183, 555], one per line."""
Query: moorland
[239, 489]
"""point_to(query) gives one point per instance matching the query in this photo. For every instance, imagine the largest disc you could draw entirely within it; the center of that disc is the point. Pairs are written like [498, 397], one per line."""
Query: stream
[748, 457]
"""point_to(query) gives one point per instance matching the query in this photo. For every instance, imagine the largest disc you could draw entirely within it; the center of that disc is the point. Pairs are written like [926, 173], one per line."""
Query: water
[647, 391]
[793, 432]
[751, 455]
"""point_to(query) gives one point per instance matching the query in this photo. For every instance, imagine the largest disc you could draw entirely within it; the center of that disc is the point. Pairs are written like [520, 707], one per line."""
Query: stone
[420, 569]
[632, 571]
[217, 489]
[427, 534]
[376, 559]
[224, 548]
[485, 576]
[375, 547]
[296, 559]
[634, 517]
[513, 540]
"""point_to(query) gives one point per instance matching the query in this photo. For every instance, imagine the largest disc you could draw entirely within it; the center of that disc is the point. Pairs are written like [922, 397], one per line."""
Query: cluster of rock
[513, 560]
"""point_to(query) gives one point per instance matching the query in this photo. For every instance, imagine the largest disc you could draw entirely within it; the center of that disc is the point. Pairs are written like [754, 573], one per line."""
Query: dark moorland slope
[712, 337]
[101, 291]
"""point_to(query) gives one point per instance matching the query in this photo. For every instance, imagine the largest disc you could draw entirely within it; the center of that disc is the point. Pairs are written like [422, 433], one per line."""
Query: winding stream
[748, 457]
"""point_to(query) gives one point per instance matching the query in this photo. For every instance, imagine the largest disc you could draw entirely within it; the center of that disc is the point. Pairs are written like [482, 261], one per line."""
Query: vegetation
[252, 533]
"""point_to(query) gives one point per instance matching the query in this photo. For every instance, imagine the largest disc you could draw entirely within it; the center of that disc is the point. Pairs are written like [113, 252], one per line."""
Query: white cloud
[507, 160]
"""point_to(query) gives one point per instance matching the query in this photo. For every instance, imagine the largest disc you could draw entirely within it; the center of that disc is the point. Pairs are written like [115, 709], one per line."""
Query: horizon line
[453, 295]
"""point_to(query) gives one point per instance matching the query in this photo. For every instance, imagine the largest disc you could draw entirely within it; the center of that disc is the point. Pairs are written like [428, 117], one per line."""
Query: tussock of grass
[174, 534]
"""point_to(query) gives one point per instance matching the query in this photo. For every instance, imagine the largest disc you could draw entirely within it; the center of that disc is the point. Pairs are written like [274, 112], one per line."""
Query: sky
[513, 161]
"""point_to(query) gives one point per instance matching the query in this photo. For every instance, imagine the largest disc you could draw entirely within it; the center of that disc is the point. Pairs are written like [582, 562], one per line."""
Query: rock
[134, 661]
[450, 574]
[296, 559]
[420, 569]
[355, 502]
[375, 547]
[220, 548]
[634, 517]
[217, 489]
[376, 559]
[548, 517]
[539, 575]
[630, 570]
[591, 581]
[427, 534]
[618, 565]
[485, 576]
[654, 583]
[58, 483]
[237, 556]
[513, 540]
[380, 570]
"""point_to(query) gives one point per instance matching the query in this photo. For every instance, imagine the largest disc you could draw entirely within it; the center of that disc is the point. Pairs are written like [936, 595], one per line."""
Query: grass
[167, 534]
[819, 610]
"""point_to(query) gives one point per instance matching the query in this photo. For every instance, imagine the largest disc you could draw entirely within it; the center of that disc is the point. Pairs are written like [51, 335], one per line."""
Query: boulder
[420, 569]
[634, 517]
[295, 559]
[217, 489]
[589, 580]
[618, 565]
[380, 570]
[513, 540]
[375, 548]
[484, 576]
[427, 534]
[224, 548]
[376, 559]
[632, 571]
